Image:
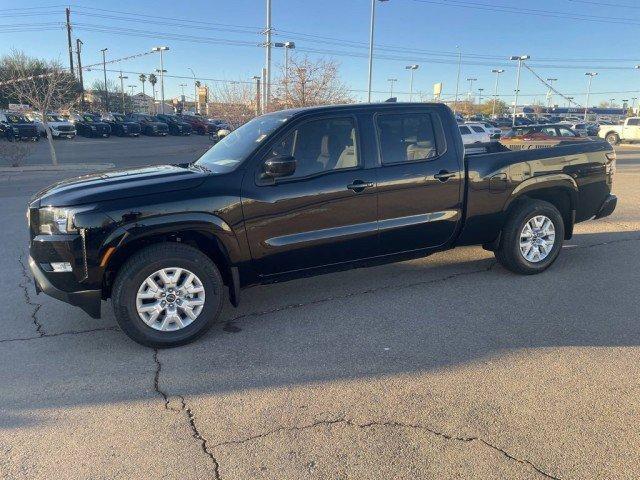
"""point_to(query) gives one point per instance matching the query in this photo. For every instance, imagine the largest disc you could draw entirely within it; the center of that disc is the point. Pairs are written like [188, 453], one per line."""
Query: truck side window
[406, 138]
[633, 121]
[477, 129]
[320, 146]
[465, 131]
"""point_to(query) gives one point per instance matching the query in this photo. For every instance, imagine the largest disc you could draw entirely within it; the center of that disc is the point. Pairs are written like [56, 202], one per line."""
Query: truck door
[631, 129]
[325, 212]
[420, 180]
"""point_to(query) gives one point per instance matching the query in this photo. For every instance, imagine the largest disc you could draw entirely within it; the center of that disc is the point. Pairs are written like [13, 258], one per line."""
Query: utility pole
[391, 82]
[497, 71]
[122, 78]
[195, 92]
[267, 80]
[68, 12]
[586, 105]
[471, 95]
[104, 69]
[520, 59]
[413, 68]
[455, 102]
[549, 93]
[78, 51]
[263, 108]
[257, 79]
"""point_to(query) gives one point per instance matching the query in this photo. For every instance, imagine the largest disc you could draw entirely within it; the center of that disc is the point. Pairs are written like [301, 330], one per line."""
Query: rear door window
[406, 137]
[477, 129]
[465, 131]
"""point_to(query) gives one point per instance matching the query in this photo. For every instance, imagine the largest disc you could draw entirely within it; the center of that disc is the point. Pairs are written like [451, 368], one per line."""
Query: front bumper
[87, 300]
[608, 206]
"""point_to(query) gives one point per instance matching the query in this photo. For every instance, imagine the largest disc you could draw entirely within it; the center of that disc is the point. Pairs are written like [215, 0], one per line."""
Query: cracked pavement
[444, 367]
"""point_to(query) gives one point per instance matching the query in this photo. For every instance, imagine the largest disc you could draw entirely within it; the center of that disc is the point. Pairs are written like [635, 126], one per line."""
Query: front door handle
[359, 185]
[444, 175]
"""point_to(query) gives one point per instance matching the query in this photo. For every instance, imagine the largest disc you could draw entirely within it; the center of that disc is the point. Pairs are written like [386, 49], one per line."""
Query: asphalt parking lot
[443, 367]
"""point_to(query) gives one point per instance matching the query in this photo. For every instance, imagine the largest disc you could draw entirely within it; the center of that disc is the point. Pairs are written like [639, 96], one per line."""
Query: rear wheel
[167, 295]
[612, 138]
[532, 238]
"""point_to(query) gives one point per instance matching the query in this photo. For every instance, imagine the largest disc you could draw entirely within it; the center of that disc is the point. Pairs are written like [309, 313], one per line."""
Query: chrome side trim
[401, 222]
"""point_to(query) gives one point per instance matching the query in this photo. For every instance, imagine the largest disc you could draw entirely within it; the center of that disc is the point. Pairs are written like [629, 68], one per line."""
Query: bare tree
[310, 83]
[233, 102]
[44, 85]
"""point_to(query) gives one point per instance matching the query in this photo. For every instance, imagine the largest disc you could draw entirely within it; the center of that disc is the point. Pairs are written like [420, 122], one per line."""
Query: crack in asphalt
[390, 424]
[24, 285]
[60, 334]
[368, 291]
[191, 418]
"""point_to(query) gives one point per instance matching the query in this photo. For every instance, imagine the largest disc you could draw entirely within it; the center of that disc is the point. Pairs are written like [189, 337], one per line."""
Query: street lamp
[413, 68]
[569, 100]
[104, 69]
[497, 71]
[182, 85]
[391, 82]
[162, 70]
[122, 78]
[520, 59]
[471, 80]
[480, 90]
[586, 106]
[373, 20]
[633, 103]
[287, 46]
[549, 92]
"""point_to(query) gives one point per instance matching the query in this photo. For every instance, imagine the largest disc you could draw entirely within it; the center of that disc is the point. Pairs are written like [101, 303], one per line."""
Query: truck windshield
[231, 151]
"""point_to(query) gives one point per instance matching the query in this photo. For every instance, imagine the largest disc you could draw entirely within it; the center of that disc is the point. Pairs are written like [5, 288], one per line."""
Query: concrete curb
[57, 168]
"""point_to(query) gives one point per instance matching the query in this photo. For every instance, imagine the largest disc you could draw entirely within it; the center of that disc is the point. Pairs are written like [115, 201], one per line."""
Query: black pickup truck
[299, 192]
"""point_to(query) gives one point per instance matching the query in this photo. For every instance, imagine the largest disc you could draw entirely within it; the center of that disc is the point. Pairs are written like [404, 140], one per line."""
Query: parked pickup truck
[629, 131]
[299, 192]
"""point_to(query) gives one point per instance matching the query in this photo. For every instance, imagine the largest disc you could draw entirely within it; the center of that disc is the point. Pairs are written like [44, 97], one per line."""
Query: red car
[200, 125]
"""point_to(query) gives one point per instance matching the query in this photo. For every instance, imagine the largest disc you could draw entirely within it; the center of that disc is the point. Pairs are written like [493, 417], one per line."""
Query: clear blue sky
[219, 39]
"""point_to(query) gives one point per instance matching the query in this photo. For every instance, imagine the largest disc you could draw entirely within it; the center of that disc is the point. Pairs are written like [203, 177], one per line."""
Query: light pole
[373, 21]
[122, 78]
[391, 82]
[471, 80]
[131, 87]
[586, 105]
[195, 91]
[549, 92]
[104, 69]
[257, 79]
[633, 104]
[412, 68]
[287, 46]
[497, 71]
[162, 70]
[480, 90]
[182, 85]
[611, 100]
[455, 102]
[267, 76]
[520, 59]
[569, 99]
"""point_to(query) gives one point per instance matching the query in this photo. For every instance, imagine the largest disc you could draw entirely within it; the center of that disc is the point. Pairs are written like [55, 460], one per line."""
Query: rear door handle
[444, 175]
[359, 185]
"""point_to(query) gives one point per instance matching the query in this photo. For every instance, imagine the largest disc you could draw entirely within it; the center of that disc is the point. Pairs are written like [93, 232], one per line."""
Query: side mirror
[279, 167]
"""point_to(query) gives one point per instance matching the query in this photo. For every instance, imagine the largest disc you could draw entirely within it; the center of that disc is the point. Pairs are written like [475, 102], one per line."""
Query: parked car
[200, 125]
[120, 126]
[592, 129]
[17, 127]
[176, 125]
[473, 134]
[90, 125]
[58, 126]
[580, 128]
[292, 193]
[219, 124]
[149, 124]
[491, 128]
[539, 136]
[629, 131]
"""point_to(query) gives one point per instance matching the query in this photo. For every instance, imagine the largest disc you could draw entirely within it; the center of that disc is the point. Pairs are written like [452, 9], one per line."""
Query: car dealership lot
[444, 367]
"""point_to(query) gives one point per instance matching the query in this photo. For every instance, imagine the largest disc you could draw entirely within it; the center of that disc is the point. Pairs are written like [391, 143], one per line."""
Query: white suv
[473, 133]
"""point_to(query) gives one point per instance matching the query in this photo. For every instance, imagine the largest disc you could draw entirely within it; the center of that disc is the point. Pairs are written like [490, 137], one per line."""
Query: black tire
[149, 260]
[612, 138]
[508, 253]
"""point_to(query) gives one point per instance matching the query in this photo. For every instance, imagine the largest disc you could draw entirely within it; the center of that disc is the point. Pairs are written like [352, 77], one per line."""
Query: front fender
[204, 223]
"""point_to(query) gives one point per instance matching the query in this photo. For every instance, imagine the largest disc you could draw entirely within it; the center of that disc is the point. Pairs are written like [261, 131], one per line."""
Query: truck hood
[115, 184]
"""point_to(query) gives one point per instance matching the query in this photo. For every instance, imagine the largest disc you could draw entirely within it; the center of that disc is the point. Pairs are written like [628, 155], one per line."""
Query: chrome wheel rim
[170, 299]
[537, 238]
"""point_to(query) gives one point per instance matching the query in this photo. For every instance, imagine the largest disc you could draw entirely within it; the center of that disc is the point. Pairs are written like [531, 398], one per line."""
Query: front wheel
[167, 295]
[532, 238]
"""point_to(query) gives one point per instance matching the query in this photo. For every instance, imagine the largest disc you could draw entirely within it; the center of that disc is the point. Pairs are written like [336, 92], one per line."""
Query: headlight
[54, 221]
